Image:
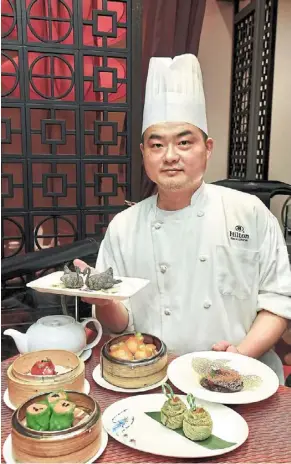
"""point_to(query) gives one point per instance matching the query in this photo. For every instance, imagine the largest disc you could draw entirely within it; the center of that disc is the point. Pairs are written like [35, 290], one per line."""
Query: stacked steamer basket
[137, 373]
[22, 385]
[80, 443]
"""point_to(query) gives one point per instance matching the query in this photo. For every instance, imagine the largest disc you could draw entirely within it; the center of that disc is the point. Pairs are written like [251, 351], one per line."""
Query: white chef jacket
[212, 266]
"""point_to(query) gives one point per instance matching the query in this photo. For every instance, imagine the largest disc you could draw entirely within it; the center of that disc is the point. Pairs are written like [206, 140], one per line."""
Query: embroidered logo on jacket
[239, 234]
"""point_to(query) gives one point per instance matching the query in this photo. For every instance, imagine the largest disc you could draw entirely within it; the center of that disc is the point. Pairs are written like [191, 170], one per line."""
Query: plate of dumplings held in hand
[89, 284]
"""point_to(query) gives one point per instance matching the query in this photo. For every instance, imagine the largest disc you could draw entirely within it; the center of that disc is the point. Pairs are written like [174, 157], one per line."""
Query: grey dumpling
[102, 281]
[72, 279]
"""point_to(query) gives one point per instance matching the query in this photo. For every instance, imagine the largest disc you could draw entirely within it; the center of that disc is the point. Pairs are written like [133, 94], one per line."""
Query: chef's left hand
[225, 346]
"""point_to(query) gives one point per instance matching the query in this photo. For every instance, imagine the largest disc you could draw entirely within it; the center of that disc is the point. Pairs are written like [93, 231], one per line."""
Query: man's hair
[205, 136]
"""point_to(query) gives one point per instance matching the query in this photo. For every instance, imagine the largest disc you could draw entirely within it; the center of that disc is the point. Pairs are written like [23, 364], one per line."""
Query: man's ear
[209, 146]
[141, 148]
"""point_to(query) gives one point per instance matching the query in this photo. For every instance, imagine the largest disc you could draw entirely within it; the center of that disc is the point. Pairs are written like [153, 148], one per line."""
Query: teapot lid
[56, 321]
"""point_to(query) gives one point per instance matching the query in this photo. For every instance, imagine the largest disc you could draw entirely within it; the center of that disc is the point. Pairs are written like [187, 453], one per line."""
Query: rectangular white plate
[52, 284]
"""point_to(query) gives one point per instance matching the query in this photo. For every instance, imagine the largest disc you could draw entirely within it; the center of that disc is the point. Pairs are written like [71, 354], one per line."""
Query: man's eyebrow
[184, 133]
[155, 136]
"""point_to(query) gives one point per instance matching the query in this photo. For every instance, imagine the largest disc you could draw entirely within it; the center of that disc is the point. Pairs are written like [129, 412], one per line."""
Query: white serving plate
[126, 421]
[97, 377]
[183, 376]
[51, 283]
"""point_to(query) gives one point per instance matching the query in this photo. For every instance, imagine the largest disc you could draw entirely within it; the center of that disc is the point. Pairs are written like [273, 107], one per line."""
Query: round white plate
[7, 449]
[126, 421]
[85, 355]
[10, 405]
[183, 376]
[103, 383]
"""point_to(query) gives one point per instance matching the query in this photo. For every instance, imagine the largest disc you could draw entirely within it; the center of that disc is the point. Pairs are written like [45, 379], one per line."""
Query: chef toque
[174, 92]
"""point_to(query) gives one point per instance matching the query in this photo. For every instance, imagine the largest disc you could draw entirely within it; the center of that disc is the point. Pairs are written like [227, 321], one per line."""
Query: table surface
[269, 422]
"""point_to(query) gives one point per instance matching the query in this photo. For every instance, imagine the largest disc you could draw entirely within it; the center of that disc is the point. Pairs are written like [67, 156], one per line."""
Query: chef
[216, 259]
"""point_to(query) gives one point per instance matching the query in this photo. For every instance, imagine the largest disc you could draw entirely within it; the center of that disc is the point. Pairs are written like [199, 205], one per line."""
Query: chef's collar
[161, 213]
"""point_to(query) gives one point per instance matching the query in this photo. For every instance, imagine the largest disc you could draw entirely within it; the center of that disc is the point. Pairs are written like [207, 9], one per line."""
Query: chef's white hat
[174, 92]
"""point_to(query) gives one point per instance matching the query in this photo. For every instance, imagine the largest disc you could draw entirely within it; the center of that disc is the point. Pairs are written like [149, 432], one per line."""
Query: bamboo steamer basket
[137, 373]
[74, 445]
[22, 385]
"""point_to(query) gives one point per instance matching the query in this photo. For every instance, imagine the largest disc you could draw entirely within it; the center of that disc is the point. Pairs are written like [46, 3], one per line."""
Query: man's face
[175, 155]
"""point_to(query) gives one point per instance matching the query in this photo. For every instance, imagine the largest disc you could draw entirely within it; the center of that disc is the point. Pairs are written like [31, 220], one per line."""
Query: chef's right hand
[225, 346]
[92, 301]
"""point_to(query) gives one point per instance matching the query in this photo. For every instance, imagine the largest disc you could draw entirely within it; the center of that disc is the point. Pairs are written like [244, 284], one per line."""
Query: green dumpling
[197, 423]
[172, 412]
[38, 416]
[54, 397]
[62, 415]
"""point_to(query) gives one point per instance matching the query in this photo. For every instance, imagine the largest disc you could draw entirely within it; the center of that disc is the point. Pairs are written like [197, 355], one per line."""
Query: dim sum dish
[60, 427]
[222, 380]
[42, 371]
[150, 424]
[172, 412]
[89, 284]
[223, 377]
[94, 281]
[197, 422]
[134, 360]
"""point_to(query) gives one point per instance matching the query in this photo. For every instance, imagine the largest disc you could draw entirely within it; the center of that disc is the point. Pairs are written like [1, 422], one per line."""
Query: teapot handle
[99, 331]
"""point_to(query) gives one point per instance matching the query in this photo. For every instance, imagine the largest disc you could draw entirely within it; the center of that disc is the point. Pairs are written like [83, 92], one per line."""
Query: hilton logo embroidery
[239, 234]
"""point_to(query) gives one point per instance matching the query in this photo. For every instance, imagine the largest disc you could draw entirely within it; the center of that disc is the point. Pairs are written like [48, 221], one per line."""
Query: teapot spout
[19, 338]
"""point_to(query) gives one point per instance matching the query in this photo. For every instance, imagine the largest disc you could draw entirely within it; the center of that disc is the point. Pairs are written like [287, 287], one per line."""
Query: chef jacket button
[203, 258]
[167, 312]
[163, 268]
[207, 304]
[157, 225]
[200, 213]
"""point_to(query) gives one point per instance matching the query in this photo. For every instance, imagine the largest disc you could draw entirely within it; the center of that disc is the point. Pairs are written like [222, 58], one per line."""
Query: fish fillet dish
[222, 380]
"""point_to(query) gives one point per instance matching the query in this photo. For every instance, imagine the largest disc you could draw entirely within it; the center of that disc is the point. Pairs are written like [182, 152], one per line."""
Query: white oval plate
[183, 376]
[126, 421]
[51, 284]
[103, 383]
[10, 405]
[8, 457]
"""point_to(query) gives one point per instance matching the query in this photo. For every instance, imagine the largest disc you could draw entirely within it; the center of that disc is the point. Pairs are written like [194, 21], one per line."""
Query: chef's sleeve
[107, 258]
[275, 271]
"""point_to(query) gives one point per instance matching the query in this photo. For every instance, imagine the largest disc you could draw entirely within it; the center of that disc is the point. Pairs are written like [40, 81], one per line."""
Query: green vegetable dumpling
[197, 423]
[173, 409]
[38, 416]
[62, 415]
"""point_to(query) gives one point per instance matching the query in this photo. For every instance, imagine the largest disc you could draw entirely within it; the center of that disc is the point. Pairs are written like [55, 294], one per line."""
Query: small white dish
[85, 355]
[183, 376]
[51, 283]
[10, 405]
[97, 377]
[8, 457]
[127, 422]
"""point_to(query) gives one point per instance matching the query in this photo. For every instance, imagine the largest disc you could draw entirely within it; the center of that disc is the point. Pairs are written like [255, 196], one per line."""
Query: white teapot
[56, 333]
